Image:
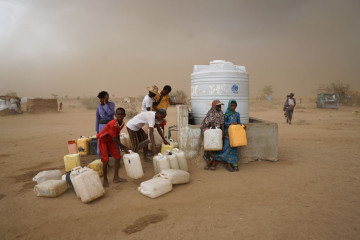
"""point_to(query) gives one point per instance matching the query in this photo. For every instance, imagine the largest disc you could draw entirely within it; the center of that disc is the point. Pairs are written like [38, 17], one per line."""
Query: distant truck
[328, 100]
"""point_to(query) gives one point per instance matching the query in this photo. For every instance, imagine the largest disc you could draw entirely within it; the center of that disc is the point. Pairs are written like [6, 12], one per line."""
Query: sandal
[236, 168]
[213, 165]
[229, 168]
[208, 164]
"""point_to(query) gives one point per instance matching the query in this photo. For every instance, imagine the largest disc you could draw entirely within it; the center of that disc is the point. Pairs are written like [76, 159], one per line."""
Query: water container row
[88, 145]
[85, 181]
[170, 160]
[213, 139]
[170, 168]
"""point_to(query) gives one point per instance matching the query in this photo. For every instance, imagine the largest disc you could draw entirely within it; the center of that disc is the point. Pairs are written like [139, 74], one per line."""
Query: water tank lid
[219, 66]
[217, 62]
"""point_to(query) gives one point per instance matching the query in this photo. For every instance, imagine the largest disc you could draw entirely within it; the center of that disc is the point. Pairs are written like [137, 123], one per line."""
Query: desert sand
[312, 192]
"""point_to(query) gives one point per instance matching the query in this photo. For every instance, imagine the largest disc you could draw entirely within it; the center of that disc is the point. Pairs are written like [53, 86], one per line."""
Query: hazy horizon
[78, 48]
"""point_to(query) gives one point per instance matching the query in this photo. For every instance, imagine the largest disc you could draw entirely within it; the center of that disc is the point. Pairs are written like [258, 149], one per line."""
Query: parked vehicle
[327, 100]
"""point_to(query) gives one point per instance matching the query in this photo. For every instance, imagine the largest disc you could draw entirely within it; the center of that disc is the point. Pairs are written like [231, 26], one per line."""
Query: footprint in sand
[141, 223]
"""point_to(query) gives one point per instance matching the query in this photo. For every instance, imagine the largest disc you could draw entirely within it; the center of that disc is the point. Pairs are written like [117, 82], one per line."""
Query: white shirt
[147, 103]
[141, 119]
[291, 102]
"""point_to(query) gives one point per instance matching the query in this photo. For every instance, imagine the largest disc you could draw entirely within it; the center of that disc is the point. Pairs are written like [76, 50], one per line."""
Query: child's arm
[122, 147]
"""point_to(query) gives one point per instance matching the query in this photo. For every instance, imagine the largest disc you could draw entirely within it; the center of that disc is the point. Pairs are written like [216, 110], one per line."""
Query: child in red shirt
[108, 138]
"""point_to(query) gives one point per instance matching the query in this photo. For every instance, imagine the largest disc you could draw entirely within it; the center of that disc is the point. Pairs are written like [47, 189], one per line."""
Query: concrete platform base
[262, 139]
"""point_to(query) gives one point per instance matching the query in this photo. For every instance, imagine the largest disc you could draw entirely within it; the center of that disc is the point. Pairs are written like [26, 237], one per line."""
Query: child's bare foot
[105, 183]
[118, 179]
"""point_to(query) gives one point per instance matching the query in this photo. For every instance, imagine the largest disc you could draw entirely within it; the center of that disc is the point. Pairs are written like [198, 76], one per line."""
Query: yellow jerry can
[83, 146]
[237, 135]
[166, 147]
[71, 161]
[97, 166]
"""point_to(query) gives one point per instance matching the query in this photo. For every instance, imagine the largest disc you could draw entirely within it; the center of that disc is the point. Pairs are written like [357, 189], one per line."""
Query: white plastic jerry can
[176, 176]
[180, 155]
[213, 140]
[125, 140]
[88, 185]
[72, 174]
[47, 175]
[172, 160]
[160, 162]
[155, 187]
[133, 165]
[51, 188]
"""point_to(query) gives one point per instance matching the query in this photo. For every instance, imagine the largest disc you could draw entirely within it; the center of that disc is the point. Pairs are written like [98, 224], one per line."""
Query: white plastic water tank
[220, 80]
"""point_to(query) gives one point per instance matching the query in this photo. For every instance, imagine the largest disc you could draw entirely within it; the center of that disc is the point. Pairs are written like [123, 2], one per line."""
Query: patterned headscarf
[214, 116]
[229, 112]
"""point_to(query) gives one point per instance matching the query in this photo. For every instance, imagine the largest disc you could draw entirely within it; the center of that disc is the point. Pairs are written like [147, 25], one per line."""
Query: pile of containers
[88, 145]
[170, 168]
[162, 182]
[85, 181]
[49, 184]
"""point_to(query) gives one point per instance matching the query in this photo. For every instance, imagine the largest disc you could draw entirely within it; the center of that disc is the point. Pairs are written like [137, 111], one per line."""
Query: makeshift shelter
[10, 105]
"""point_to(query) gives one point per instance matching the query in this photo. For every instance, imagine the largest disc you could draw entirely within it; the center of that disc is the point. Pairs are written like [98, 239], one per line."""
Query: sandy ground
[312, 192]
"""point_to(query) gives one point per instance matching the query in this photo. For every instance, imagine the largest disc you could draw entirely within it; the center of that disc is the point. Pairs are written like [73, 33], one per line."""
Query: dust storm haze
[78, 48]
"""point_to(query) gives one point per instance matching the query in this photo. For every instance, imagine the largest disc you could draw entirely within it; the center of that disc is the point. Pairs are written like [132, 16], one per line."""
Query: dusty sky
[78, 48]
